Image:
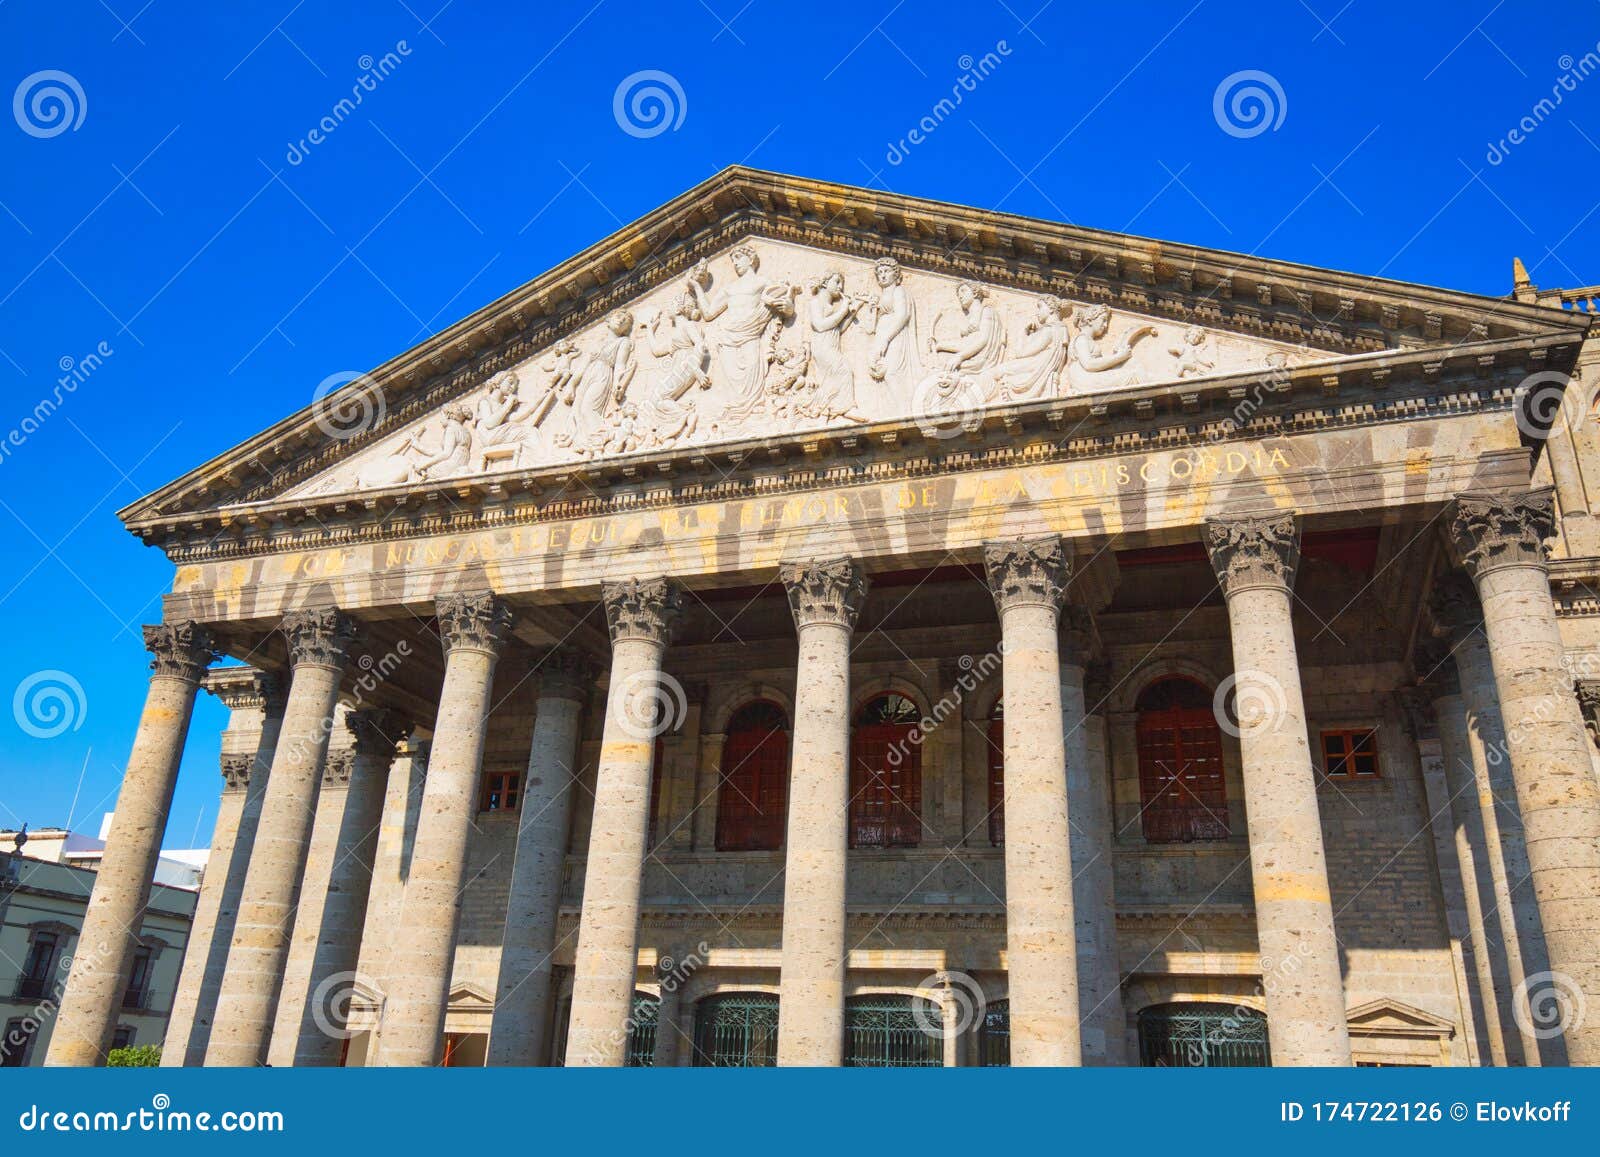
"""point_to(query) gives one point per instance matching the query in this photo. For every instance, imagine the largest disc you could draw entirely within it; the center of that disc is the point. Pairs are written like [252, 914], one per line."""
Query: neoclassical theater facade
[819, 626]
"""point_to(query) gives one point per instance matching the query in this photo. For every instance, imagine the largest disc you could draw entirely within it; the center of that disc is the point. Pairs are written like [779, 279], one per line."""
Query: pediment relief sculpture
[773, 338]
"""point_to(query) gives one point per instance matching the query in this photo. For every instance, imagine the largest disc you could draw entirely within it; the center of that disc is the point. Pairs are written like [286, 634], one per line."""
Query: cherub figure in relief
[1191, 354]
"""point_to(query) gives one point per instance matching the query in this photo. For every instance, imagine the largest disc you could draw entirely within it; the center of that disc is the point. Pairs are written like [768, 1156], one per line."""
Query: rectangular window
[501, 791]
[15, 1044]
[1350, 754]
[138, 980]
[34, 982]
[122, 1038]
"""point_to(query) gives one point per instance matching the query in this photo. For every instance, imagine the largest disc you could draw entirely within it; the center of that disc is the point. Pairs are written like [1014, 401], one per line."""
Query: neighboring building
[881, 632]
[179, 868]
[42, 904]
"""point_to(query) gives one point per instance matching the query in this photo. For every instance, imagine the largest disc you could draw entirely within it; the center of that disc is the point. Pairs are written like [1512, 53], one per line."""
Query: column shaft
[311, 1030]
[608, 932]
[1029, 580]
[1501, 541]
[521, 1028]
[1255, 562]
[318, 642]
[473, 627]
[100, 962]
[825, 599]
[811, 1013]
[1094, 903]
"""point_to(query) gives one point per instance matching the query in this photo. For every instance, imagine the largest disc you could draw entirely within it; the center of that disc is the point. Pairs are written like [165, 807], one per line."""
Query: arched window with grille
[1200, 1035]
[736, 1030]
[752, 798]
[1181, 790]
[642, 1030]
[997, 774]
[885, 775]
[994, 1035]
[891, 1032]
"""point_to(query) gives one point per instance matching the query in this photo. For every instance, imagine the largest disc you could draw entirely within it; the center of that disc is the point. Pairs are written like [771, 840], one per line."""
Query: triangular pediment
[766, 338]
[1393, 1017]
[654, 342]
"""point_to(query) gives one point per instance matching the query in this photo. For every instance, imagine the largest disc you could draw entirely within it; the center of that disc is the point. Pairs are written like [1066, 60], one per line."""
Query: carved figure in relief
[1089, 349]
[502, 422]
[413, 461]
[981, 341]
[605, 377]
[1191, 354]
[1038, 357]
[828, 314]
[892, 320]
[684, 342]
[562, 366]
[751, 310]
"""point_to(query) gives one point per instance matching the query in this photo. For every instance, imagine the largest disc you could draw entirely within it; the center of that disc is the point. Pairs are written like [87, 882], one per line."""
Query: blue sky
[229, 264]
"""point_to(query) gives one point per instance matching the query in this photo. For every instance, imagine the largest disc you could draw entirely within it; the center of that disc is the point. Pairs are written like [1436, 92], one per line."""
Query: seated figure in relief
[1092, 355]
[412, 460]
[981, 341]
[1033, 370]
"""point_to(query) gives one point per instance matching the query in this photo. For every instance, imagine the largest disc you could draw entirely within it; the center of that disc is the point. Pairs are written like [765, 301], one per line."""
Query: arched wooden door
[885, 775]
[1182, 794]
[752, 797]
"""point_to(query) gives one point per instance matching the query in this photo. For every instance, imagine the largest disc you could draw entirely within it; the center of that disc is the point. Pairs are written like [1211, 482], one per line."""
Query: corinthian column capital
[825, 592]
[1027, 573]
[320, 637]
[473, 621]
[378, 731]
[644, 609]
[1253, 552]
[1490, 531]
[180, 650]
[563, 673]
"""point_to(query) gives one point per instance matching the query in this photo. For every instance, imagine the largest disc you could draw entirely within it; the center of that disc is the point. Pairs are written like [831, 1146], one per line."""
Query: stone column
[397, 833]
[311, 1028]
[641, 615]
[521, 1028]
[1255, 561]
[1472, 735]
[1452, 802]
[319, 645]
[99, 976]
[1589, 705]
[1500, 540]
[255, 704]
[473, 627]
[1094, 884]
[825, 599]
[1029, 581]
